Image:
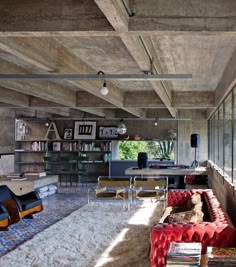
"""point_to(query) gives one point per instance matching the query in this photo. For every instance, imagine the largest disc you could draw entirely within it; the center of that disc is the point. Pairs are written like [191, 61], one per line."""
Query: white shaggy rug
[96, 235]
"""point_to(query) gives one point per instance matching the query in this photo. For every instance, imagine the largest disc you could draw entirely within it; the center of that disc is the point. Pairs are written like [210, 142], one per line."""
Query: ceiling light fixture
[104, 90]
[121, 127]
[156, 122]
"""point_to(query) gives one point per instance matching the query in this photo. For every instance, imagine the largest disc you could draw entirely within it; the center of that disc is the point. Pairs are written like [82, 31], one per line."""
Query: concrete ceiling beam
[115, 13]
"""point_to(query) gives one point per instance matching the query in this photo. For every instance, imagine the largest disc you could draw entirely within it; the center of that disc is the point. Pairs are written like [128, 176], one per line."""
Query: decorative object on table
[137, 137]
[121, 127]
[107, 132]
[85, 130]
[166, 148]
[68, 134]
[218, 256]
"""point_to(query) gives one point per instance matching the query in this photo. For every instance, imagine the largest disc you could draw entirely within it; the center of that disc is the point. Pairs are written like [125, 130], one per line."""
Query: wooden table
[203, 261]
[21, 187]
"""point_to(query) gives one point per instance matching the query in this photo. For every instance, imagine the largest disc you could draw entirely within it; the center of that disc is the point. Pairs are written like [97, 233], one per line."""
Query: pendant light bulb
[104, 90]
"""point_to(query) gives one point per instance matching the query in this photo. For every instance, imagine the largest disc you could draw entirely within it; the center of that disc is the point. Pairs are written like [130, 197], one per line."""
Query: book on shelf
[35, 173]
[218, 256]
[184, 254]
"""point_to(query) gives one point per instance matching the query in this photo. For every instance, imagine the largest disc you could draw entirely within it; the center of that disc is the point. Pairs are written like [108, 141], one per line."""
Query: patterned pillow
[190, 216]
[192, 201]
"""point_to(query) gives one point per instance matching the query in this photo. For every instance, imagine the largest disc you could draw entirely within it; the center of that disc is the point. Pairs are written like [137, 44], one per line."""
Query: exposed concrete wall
[224, 191]
[7, 131]
[6, 164]
[147, 131]
[196, 124]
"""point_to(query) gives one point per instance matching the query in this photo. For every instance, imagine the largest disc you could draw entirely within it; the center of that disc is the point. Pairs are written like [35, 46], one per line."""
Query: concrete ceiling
[86, 36]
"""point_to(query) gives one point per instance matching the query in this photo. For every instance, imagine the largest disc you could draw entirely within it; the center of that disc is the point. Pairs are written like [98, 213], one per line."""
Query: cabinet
[95, 158]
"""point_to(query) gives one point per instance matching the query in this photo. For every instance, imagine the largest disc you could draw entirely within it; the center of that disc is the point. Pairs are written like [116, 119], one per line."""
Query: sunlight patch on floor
[145, 211]
[105, 257]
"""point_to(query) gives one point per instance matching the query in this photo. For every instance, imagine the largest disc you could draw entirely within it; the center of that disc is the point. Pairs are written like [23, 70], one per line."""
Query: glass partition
[222, 136]
[220, 129]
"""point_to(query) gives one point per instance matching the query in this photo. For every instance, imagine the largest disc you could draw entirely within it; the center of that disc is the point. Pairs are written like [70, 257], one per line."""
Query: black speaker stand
[195, 163]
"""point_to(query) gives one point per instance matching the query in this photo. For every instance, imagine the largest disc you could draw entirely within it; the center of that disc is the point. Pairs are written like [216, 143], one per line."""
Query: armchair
[4, 218]
[19, 207]
[29, 204]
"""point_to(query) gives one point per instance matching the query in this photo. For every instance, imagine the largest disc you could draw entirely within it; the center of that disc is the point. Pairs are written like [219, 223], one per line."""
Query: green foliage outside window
[155, 149]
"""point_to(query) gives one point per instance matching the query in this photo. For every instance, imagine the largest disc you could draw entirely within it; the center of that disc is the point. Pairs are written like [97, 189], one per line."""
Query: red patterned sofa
[216, 229]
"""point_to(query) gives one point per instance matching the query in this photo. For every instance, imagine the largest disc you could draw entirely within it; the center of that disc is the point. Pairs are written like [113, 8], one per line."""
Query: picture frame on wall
[107, 132]
[85, 130]
[68, 134]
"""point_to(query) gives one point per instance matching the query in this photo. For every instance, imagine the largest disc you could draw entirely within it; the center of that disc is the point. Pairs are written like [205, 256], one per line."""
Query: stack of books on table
[221, 257]
[184, 254]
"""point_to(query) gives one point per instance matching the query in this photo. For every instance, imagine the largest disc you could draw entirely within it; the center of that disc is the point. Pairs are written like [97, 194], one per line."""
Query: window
[155, 149]
[228, 135]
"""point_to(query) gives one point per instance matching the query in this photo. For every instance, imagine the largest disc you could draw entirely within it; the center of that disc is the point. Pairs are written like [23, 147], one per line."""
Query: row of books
[188, 254]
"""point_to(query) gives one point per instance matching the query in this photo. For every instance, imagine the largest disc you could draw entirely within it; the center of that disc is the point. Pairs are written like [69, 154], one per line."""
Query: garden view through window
[163, 150]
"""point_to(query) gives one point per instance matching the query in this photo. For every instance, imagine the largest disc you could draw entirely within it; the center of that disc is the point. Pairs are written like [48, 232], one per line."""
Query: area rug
[96, 235]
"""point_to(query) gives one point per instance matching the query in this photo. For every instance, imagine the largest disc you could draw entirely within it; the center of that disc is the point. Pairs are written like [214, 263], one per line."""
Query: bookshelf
[39, 148]
[95, 158]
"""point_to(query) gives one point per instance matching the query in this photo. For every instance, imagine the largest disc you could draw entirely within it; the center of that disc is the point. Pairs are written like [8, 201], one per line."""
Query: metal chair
[150, 187]
[113, 188]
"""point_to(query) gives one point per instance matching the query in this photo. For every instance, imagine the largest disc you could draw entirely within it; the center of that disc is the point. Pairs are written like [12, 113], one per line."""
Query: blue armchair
[16, 207]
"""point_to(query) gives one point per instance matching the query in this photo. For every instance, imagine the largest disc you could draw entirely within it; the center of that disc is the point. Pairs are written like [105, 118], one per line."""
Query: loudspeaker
[195, 140]
[142, 160]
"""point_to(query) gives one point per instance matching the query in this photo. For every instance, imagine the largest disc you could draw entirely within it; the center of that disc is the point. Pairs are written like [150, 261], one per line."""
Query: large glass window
[215, 138]
[210, 136]
[234, 139]
[228, 135]
[221, 137]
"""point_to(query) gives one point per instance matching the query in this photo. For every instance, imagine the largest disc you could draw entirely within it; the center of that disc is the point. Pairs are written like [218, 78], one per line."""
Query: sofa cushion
[193, 200]
[30, 203]
[190, 216]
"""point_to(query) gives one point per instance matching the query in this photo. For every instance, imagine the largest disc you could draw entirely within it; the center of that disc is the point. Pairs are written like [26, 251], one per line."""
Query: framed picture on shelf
[107, 132]
[56, 146]
[85, 130]
[68, 134]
